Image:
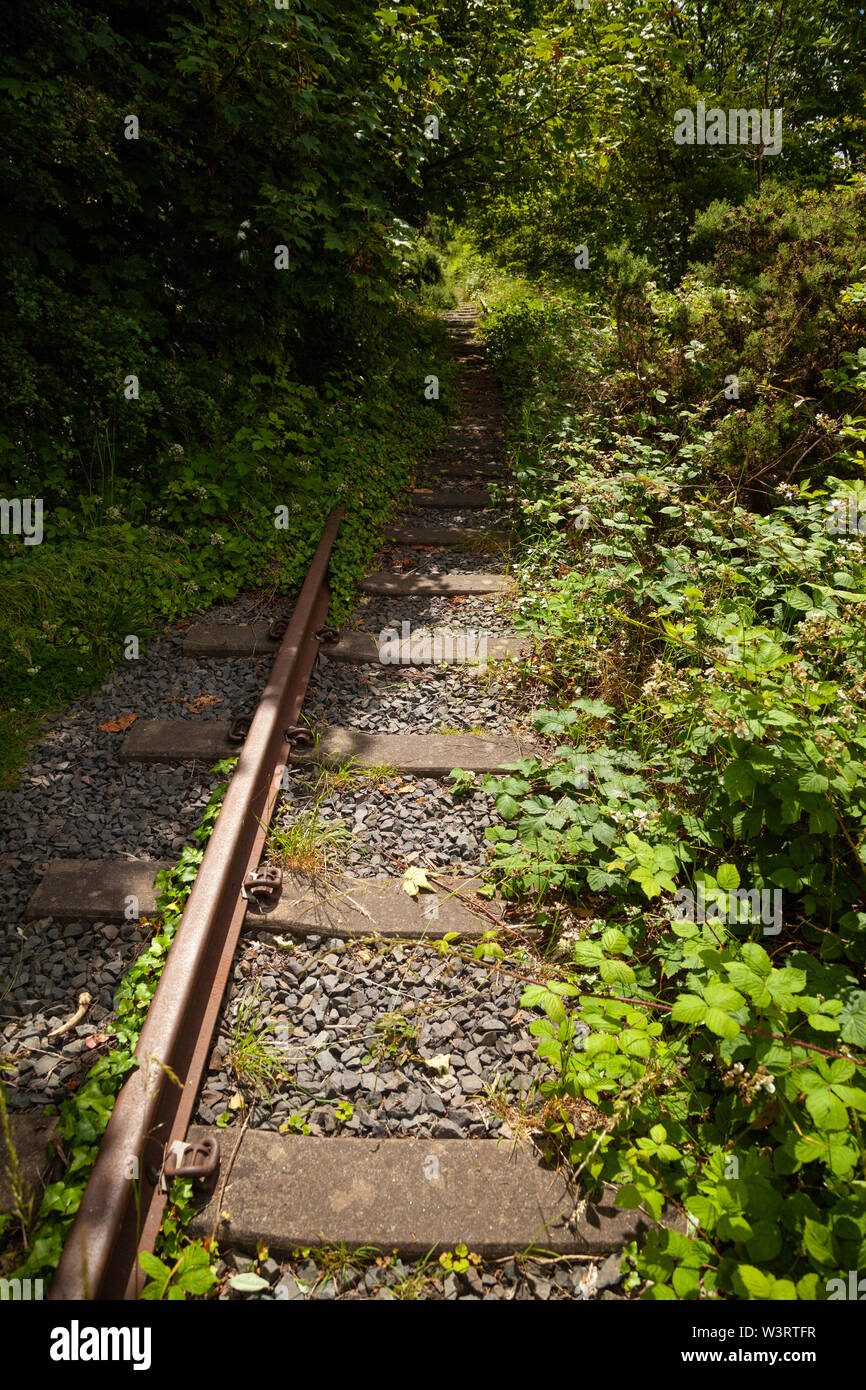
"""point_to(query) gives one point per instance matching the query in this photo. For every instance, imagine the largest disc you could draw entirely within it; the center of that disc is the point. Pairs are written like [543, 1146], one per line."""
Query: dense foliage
[223, 227]
[695, 839]
[208, 312]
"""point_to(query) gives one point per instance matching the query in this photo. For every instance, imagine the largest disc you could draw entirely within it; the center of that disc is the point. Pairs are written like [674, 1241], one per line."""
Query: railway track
[390, 1098]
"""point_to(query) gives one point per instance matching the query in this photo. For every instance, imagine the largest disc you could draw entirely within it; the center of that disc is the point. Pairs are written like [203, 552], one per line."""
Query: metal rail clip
[239, 729]
[299, 736]
[328, 636]
[197, 1161]
[263, 887]
[278, 629]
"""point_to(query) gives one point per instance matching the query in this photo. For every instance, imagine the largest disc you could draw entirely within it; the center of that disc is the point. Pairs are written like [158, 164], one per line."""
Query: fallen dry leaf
[440, 1065]
[204, 702]
[95, 1039]
[116, 726]
[461, 599]
[415, 879]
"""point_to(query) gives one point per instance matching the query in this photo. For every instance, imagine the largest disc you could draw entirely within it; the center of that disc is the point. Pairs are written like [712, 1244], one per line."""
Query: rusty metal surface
[99, 1259]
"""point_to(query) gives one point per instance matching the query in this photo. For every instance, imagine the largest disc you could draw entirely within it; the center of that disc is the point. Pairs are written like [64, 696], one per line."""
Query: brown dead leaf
[204, 702]
[96, 1039]
[116, 726]
[462, 599]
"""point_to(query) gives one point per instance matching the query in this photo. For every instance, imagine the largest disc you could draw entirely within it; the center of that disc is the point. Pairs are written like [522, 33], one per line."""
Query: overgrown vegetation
[217, 304]
[213, 322]
[696, 835]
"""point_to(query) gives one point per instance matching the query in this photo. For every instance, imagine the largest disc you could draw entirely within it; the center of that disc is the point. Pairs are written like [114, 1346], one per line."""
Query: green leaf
[614, 941]
[687, 1282]
[826, 1110]
[765, 1241]
[628, 1196]
[722, 1024]
[813, 782]
[248, 1282]
[752, 1282]
[721, 996]
[616, 972]
[689, 1008]
[818, 1243]
[740, 780]
[153, 1266]
[727, 877]
[852, 1019]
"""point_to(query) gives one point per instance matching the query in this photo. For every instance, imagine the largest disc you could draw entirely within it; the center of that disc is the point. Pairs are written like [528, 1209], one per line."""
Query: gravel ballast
[414, 1043]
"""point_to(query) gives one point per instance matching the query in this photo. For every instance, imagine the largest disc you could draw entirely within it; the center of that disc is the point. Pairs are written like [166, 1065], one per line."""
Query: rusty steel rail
[119, 1215]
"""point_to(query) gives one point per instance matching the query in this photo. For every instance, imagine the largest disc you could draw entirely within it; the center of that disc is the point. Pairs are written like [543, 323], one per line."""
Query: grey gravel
[350, 1048]
[386, 1278]
[75, 800]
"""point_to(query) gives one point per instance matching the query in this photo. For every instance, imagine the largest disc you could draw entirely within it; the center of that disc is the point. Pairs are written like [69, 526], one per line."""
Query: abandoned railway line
[390, 1101]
